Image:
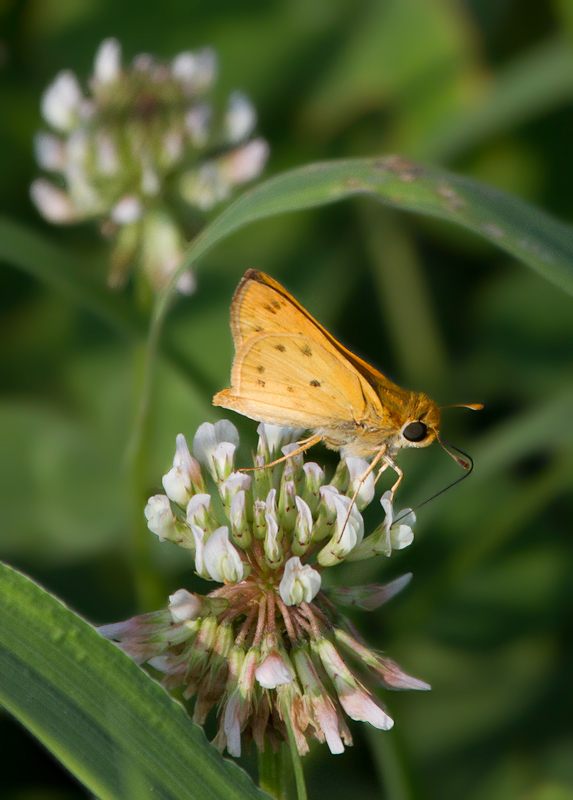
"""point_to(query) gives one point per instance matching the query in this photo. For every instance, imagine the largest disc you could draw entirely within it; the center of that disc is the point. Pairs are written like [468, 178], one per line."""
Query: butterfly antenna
[468, 465]
[473, 406]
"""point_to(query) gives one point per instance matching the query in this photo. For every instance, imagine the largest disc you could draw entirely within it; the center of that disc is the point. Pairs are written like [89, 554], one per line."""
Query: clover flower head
[141, 143]
[269, 646]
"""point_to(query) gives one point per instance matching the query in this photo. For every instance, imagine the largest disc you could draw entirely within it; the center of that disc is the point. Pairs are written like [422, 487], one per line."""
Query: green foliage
[100, 714]
[480, 89]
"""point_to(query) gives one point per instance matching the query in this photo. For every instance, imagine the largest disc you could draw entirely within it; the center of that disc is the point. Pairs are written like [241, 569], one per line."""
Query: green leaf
[108, 722]
[528, 233]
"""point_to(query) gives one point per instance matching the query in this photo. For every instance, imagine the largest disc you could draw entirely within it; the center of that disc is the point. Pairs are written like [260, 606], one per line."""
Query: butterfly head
[422, 425]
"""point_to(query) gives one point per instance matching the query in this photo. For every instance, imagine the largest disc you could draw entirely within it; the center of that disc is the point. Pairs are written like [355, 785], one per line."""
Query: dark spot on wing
[269, 308]
[315, 383]
[276, 304]
[290, 389]
[280, 347]
[260, 382]
[306, 351]
[257, 328]
[260, 369]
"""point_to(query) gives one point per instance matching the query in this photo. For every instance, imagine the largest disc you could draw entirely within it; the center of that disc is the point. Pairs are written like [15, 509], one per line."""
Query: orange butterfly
[288, 370]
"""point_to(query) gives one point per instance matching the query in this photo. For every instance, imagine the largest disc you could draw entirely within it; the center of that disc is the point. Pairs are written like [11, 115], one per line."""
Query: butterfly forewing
[298, 380]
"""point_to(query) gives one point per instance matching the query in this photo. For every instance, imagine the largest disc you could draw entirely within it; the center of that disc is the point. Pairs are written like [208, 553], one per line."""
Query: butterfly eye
[415, 432]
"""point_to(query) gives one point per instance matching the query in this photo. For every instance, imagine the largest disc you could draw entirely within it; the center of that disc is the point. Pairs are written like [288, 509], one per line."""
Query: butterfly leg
[397, 470]
[371, 467]
[302, 448]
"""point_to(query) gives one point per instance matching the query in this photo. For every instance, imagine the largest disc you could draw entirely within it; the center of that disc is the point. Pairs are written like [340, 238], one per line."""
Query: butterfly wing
[288, 370]
[289, 379]
[261, 304]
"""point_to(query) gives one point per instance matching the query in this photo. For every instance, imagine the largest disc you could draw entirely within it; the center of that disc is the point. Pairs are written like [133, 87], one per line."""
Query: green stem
[272, 773]
[148, 589]
[296, 762]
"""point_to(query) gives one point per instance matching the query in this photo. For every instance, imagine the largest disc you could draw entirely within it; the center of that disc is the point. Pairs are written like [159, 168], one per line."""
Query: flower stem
[296, 762]
[272, 778]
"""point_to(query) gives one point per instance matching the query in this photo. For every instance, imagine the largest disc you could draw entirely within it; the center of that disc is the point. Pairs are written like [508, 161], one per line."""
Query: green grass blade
[108, 722]
[529, 234]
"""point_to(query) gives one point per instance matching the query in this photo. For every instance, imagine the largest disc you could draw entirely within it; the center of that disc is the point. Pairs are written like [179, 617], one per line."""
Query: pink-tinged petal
[395, 678]
[359, 706]
[232, 725]
[328, 721]
[246, 163]
[53, 203]
[273, 672]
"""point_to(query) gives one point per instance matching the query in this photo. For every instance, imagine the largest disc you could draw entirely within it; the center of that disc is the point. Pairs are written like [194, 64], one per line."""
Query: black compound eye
[415, 432]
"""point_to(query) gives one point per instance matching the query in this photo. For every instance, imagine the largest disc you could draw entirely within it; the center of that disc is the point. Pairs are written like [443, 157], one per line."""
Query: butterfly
[290, 371]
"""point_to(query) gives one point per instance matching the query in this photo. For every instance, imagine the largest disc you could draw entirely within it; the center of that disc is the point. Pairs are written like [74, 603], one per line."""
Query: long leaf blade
[108, 722]
[541, 242]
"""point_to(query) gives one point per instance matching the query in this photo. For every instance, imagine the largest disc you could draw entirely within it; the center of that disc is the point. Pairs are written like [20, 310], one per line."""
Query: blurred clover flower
[140, 152]
[266, 645]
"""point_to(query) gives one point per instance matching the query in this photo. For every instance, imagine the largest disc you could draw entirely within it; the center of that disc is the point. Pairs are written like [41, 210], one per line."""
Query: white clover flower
[357, 469]
[398, 534]
[299, 584]
[107, 62]
[240, 118]
[221, 558]
[50, 152]
[128, 210]
[122, 154]
[54, 203]
[264, 648]
[184, 606]
[61, 101]
[242, 165]
[160, 518]
[208, 438]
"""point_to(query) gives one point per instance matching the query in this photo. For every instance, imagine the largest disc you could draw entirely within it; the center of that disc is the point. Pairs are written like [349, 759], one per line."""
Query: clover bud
[61, 101]
[327, 513]
[302, 528]
[273, 546]
[287, 505]
[314, 478]
[240, 528]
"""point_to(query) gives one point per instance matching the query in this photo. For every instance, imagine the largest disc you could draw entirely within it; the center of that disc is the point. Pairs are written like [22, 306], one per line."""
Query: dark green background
[482, 87]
